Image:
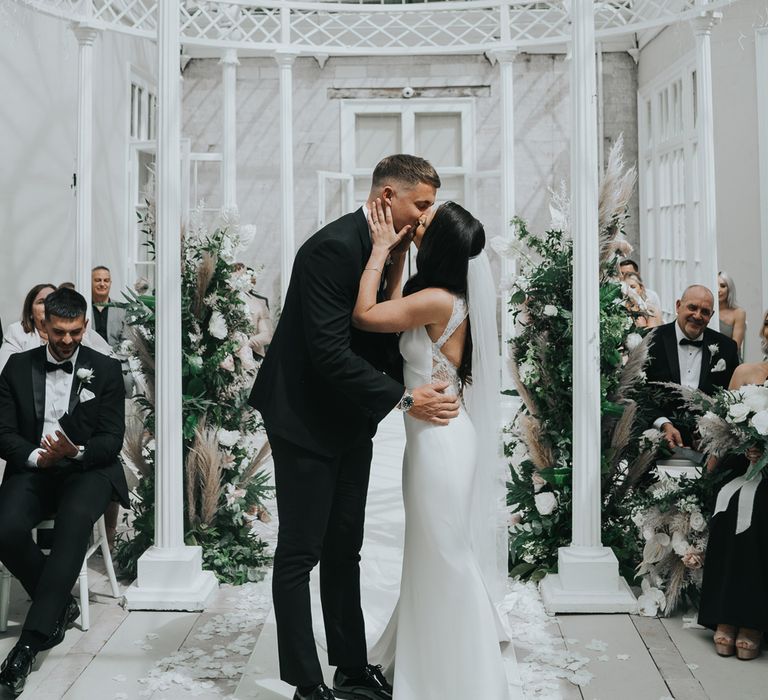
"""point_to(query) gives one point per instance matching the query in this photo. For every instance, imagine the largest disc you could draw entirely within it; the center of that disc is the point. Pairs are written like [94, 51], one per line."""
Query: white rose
[85, 375]
[757, 398]
[738, 412]
[195, 361]
[760, 422]
[697, 521]
[550, 310]
[652, 435]
[217, 326]
[545, 502]
[228, 438]
[632, 341]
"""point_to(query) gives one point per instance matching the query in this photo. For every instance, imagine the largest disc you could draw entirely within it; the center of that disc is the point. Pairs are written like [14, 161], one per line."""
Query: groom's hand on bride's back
[432, 405]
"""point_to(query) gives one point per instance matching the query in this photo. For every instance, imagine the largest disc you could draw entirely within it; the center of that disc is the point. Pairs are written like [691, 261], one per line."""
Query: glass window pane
[376, 136]
[438, 138]
[451, 189]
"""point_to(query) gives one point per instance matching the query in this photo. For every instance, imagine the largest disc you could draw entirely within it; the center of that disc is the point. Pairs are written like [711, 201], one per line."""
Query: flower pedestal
[587, 581]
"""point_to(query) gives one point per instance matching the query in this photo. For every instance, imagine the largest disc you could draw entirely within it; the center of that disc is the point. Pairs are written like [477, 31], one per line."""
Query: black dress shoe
[15, 669]
[70, 614]
[370, 686]
[319, 692]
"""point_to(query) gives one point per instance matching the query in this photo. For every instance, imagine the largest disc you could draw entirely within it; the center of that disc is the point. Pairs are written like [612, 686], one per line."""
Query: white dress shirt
[689, 359]
[58, 387]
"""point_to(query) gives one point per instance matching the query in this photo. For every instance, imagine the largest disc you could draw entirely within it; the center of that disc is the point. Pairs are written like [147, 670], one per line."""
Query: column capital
[495, 56]
[229, 58]
[85, 33]
[704, 22]
[285, 58]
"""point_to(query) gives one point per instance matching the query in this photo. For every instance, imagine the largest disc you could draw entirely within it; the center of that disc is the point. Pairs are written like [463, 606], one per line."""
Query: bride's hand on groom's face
[383, 234]
[432, 405]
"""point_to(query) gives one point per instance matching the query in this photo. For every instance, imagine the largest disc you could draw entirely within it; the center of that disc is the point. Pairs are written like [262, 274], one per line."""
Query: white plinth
[171, 579]
[588, 582]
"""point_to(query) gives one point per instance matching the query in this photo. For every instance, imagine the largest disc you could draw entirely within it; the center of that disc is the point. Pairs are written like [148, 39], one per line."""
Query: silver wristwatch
[406, 403]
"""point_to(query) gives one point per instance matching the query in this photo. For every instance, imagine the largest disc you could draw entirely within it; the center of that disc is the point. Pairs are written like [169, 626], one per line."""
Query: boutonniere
[713, 349]
[85, 375]
[719, 366]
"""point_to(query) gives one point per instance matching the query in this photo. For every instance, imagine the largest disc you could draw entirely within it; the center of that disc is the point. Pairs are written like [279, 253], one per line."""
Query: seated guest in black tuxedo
[62, 419]
[686, 352]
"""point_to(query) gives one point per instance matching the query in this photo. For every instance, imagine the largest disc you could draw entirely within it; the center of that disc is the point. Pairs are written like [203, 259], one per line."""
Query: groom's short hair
[407, 169]
[65, 303]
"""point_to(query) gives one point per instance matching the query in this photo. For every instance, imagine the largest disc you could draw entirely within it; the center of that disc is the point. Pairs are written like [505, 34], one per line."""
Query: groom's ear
[386, 195]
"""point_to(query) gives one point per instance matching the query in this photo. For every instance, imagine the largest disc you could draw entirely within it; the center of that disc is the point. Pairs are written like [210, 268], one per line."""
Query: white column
[506, 60]
[588, 578]
[761, 55]
[285, 65]
[229, 65]
[170, 574]
[86, 36]
[705, 135]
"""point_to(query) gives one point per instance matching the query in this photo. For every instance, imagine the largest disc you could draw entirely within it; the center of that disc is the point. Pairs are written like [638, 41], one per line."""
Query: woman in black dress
[734, 595]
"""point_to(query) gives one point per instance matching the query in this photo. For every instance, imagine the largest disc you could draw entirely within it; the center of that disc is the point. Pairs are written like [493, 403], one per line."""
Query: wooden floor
[170, 656]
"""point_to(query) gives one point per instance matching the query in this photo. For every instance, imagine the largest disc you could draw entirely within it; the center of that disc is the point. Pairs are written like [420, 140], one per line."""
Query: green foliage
[223, 503]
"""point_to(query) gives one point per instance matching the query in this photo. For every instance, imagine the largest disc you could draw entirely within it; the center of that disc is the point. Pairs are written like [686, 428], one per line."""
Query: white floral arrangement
[674, 531]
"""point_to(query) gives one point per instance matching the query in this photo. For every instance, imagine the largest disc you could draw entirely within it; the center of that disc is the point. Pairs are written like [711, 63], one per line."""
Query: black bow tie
[64, 366]
[695, 343]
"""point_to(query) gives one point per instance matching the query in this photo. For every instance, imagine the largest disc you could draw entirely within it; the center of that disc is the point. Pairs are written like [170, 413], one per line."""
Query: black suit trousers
[321, 509]
[77, 499]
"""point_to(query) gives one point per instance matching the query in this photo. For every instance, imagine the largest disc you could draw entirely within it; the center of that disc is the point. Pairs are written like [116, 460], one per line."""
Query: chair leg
[106, 555]
[85, 618]
[5, 598]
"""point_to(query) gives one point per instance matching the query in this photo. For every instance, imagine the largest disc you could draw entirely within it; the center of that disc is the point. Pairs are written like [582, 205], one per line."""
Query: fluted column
[229, 65]
[705, 136]
[170, 574]
[285, 63]
[588, 573]
[86, 36]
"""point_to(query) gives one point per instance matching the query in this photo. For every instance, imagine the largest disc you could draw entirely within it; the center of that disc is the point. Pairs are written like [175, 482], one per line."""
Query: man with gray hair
[686, 352]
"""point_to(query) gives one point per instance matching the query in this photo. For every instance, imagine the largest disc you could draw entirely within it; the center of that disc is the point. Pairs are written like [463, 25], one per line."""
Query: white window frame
[407, 109]
[669, 273]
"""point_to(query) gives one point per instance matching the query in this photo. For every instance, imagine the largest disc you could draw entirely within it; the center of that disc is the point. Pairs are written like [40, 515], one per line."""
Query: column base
[588, 582]
[171, 579]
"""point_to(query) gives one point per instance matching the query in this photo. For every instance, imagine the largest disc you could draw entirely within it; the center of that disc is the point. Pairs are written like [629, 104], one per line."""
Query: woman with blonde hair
[733, 319]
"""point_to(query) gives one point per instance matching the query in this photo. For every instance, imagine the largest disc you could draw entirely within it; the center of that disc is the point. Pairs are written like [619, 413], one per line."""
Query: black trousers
[78, 500]
[321, 509]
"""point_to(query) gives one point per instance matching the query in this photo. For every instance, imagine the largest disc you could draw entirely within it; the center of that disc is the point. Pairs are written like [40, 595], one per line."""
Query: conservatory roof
[376, 27]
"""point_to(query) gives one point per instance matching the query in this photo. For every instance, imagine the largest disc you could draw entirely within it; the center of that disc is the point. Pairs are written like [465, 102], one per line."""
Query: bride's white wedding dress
[443, 639]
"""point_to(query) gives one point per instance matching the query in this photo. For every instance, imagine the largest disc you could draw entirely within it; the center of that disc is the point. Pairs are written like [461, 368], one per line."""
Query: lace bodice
[424, 360]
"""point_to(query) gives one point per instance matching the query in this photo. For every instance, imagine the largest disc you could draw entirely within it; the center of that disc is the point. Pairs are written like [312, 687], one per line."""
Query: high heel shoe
[749, 644]
[725, 642]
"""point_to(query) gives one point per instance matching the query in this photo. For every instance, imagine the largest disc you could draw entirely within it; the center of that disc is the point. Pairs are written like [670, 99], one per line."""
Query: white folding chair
[99, 542]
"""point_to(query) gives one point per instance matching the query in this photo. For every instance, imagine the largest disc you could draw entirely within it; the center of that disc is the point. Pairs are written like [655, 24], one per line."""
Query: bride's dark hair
[453, 237]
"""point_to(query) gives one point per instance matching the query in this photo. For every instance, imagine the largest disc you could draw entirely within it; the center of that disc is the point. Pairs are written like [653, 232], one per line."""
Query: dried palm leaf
[531, 434]
[675, 583]
[134, 442]
[622, 431]
[209, 465]
[632, 372]
[256, 463]
[140, 347]
[521, 389]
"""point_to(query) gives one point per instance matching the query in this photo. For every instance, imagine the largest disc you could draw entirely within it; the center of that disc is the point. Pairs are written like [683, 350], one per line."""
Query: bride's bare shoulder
[749, 373]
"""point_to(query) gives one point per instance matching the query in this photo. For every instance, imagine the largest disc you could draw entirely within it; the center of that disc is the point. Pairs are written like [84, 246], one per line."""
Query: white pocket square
[719, 366]
[86, 395]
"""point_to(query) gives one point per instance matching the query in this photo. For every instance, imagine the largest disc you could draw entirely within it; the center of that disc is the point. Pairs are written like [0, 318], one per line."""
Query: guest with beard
[30, 331]
[62, 420]
[734, 594]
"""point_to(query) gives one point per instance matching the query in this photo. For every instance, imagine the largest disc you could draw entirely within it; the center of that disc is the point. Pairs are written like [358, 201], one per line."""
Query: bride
[444, 634]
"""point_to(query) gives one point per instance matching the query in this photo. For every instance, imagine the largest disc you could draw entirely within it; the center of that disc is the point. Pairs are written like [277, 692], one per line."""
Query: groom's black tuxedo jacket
[97, 424]
[322, 384]
[664, 365]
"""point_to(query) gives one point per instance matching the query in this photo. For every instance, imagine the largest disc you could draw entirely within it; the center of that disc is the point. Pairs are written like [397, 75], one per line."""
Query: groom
[322, 389]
